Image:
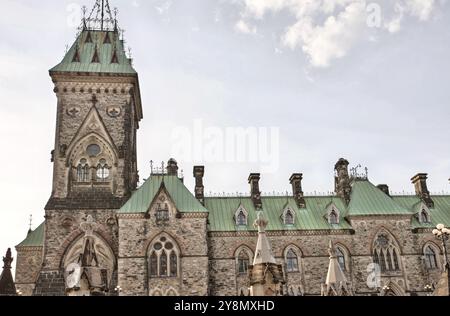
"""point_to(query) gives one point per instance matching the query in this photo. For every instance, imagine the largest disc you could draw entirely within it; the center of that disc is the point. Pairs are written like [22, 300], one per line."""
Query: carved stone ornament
[114, 111]
[73, 111]
[88, 226]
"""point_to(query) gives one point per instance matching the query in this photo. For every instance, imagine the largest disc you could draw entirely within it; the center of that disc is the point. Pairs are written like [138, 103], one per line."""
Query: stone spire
[7, 286]
[263, 253]
[336, 282]
[266, 276]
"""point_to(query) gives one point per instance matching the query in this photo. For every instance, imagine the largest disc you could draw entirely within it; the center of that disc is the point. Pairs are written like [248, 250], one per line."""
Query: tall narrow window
[243, 262]
[396, 265]
[376, 259]
[162, 212]
[163, 264]
[173, 264]
[334, 220]
[389, 261]
[382, 261]
[241, 219]
[341, 258]
[153, 265]
[289, 218]
[102, 171]
[83, 171]
[291, 261]
[430, 258]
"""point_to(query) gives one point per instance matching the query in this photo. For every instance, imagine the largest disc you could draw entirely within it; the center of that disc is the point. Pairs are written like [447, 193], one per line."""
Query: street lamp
[428, 288]
[118, 289]
[442, 233]
[19, 293]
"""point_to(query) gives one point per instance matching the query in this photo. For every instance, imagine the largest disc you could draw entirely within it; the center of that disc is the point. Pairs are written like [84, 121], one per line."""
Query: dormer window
[424, 217]
[333, 218]
[241, 217]
[162, 212]
[288, 217]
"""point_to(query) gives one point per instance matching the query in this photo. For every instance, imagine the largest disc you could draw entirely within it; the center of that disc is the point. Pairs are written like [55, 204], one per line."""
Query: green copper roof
[83, 62]
[35, 238]
[222, 213]
[367, 199]
[141, 199]
[440, 214]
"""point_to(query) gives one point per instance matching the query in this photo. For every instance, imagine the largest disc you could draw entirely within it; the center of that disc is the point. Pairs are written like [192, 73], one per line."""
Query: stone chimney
[384, 188]
[420, 184]
[255, 193]
[342, 180]
[199, 173]
[172, 167]
[296, 182]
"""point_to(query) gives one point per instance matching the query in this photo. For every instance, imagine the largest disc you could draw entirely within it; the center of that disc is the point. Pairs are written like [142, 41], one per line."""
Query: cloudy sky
[322, 79]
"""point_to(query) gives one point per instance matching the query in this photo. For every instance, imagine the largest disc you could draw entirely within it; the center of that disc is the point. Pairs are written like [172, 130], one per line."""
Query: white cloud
[326, 30]
[243, 27]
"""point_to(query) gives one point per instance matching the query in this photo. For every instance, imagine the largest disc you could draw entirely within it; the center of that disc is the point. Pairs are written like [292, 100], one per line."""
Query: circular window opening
[93, 150]
[163, 239]
[169, 246]
[158, 246]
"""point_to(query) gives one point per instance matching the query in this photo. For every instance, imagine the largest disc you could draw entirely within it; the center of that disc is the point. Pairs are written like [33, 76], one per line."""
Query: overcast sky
[368, 81]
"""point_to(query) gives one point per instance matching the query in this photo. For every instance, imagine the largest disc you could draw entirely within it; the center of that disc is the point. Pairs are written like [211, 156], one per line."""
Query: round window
[169, 246]
[163, 239]
[93, 150]
[157, 246]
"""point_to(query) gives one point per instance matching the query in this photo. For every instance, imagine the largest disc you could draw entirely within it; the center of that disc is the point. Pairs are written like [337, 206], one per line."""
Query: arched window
[241, 219]
[83, 171]
[386, 252]
[162, 212]
[288, 217]
[102, 171]
[341, 258]
[291, 261]
[430, 258]
[243, 262]
[163, 258]
[424, 218]
[333, 218]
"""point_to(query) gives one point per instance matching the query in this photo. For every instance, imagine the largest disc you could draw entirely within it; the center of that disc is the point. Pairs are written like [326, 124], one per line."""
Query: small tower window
[83, 171]
[107, 39]
[102, 171]
[114, 59]
[93, 150]
[162, 212]
[76, 56]
[88, 38]
[96, 58]
[291, 261]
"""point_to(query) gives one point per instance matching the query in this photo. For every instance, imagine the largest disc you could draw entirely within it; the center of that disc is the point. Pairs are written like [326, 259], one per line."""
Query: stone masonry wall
[28, 266]
[189, 233]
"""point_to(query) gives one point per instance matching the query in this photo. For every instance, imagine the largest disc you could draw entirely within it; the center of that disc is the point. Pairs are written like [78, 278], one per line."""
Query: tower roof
[98, 47]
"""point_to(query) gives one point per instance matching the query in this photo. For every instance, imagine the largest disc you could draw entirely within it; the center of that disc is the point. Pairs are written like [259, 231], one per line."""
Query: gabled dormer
[241, 216]
[423, 213]
[333, 214]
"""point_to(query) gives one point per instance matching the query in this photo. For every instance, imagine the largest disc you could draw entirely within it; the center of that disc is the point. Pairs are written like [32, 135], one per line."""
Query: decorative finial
[8, 259]
[151, 167]
[31, 223]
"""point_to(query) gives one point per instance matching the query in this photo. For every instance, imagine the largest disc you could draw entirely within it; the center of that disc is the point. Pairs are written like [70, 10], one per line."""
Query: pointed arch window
[163, 258]
[96, 58]
[114, 59]
[333, 218]
[341, 258]
[83, 171]
[88, 38]
[424, 217]
[430, 258]
[102, 171]
[241, 217]
[291, 261]
[243, 262]
[386, 253]
[76, 56]
[107, 39]
[289, 217]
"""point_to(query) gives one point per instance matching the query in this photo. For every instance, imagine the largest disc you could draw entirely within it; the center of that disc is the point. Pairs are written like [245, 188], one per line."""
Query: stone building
[104, 235]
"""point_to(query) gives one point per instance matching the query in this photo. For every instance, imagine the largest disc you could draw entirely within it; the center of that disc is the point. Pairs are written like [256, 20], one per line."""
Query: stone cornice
[142, 215]
[29, 249]
[379, 216]
[282, 233]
